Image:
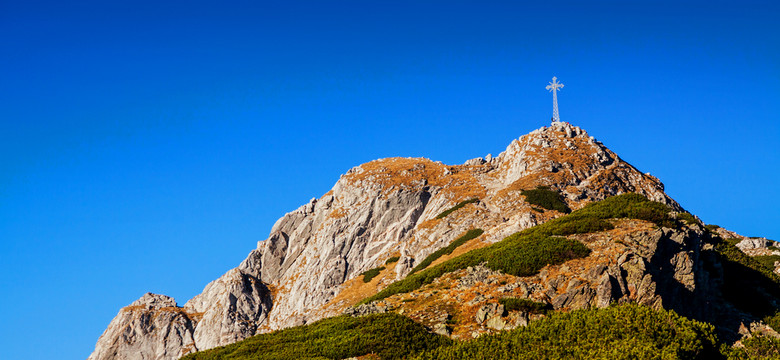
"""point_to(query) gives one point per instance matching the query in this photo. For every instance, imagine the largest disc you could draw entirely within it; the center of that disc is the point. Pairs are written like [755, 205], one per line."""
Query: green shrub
[456, 207]
[688, 217]
[370, 274]
[773, 321]
[526, 252]
[546, 198]
[755, 347]
[711, 227]
[392, 260]
[521, 257]
[767, 260]
[390, 336]
[526, 305]
[620, 332]
[747, 283]
[471, 234]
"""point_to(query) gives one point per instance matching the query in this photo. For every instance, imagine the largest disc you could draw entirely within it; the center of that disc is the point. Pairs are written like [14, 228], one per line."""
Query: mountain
[457, 249]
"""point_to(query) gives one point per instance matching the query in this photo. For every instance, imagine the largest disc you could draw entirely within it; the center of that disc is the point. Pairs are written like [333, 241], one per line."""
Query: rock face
[232, 306]
[636, 262]
[306, 268]
[152, 327]
[759, 246]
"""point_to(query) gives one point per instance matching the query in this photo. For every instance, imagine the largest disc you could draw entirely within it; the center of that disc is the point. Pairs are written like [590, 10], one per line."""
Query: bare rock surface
[231, 307]
[637, 262]
[152, 327]
[388, 208]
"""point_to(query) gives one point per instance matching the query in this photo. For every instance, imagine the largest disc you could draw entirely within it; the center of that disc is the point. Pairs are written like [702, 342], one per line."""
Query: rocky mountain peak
[565, 157]
[154, 301]
[401, 209]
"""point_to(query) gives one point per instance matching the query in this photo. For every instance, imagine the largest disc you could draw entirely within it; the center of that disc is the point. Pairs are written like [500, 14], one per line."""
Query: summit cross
[554, 86]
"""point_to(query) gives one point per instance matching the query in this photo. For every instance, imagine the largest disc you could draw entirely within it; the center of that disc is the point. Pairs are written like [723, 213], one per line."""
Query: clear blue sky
[148, 145]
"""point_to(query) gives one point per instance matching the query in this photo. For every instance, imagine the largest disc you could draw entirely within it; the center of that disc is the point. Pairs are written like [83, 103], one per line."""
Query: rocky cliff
[310, 266]
[636, 262]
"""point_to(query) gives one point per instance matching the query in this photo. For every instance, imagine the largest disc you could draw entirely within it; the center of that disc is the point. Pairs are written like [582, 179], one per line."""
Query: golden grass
[338, 212]
[472, 244]
[355, 289]
[393, 173]
[428, 224]
[575, 163]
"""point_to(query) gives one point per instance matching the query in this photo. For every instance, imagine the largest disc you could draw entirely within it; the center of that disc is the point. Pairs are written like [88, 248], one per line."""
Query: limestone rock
[391, 207]
[365, 309]
[475, 161]
[489, 311]
[152, 327]
[441, 329]
[232, 306]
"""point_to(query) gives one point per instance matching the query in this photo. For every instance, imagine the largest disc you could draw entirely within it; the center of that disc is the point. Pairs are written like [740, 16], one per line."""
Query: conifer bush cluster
[627, 331]
[688, 217]
[621, 332]
[389, 336]
[747, 283]
[368, 275]
[767, 260]
[546, 198]
[456, 207]
[526, 305]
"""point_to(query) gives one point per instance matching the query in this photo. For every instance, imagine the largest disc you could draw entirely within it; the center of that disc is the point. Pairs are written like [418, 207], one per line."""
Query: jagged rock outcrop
[636, 262]
[759, 246]
[152, 327]
[232, 306]
[308, 268]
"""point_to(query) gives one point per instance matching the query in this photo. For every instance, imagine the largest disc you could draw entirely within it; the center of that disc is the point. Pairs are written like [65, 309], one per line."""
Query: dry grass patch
[458, 181]
[355, 289]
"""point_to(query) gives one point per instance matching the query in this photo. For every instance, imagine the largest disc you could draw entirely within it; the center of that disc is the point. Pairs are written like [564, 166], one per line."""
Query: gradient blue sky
[147, 146]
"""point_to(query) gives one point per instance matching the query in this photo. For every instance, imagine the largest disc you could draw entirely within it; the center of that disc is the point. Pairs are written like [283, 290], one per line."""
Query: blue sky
[147, 146]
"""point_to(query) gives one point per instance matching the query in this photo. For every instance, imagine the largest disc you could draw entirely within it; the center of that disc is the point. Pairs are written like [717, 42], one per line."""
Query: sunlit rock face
[309, 267]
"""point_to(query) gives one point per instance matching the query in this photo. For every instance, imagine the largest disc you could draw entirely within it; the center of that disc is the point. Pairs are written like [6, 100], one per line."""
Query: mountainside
[452, 239]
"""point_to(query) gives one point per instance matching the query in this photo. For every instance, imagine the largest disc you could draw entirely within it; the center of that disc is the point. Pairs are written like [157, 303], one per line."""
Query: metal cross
[554, 86]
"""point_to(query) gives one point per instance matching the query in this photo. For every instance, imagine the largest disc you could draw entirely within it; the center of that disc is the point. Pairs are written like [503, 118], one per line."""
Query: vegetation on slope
[456, 207]
[368, 275]
[688, 217]
[747, 283]
[767, 260]
[526, 252]
[390, 336]
[546, 198]
[471, 234]
[627, 331]
[754, 348]
[526, 305]
[711, 227]
[620, 332]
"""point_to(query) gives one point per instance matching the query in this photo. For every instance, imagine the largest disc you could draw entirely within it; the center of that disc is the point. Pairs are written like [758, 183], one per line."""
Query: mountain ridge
[314, 255]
